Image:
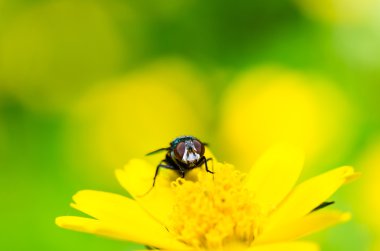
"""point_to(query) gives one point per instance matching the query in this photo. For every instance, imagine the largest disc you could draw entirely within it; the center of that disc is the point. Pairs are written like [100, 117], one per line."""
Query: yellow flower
[269, 104]
[339, 11]
[259, 211]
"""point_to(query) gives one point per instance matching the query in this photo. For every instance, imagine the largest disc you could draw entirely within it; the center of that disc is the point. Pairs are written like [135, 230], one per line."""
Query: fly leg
[204, 160]
[158, 168]
[212, 165]
[156, 174]
[207, 170]
[181, 172]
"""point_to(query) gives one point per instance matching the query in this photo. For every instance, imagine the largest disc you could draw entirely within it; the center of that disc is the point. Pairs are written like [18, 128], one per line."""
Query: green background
[53, 54]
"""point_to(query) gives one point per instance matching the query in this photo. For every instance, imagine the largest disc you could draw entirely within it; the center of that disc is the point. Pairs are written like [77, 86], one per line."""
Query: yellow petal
[310, 194]
[120, 230]
[286, 246]
[113, 207]
[274, 174]
[137, 179]
[309, 224]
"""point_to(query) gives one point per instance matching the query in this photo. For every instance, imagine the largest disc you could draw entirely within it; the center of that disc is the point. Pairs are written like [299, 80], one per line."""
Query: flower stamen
[213, 211]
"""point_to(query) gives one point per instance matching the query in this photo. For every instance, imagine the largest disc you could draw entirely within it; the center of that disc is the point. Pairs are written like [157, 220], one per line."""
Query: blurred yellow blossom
[225, 211]
[268, 105]
[370, 208]
[130, 116]
[340, 11]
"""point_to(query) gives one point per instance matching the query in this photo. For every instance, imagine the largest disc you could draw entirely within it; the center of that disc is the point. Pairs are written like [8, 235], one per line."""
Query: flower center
[215, 210]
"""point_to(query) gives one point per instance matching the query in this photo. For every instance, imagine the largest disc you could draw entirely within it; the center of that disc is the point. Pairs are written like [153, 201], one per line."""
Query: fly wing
[158, 150]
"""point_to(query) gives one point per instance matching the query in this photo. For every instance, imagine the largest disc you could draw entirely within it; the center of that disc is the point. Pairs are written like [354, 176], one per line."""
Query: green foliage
[54, 53]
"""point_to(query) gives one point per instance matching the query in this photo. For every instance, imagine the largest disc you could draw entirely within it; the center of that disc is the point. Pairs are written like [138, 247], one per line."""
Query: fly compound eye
[179, 150]
[199, 147]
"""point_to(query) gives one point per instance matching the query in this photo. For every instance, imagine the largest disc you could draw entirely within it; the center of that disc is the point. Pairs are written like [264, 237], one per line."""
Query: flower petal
[309, 224]
[113, 207]
[274, 174]
[286, 246]
[310, 194]
[137, 179]
[121, 231]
